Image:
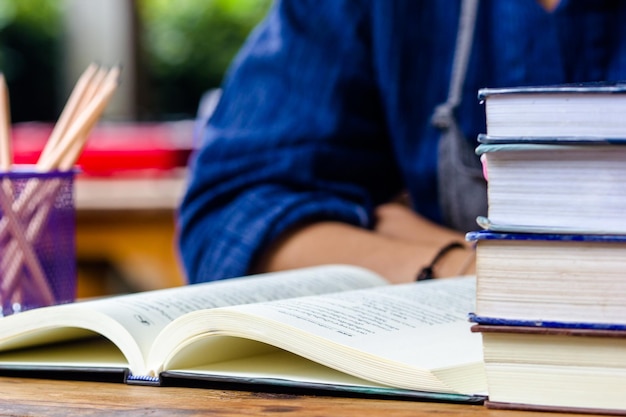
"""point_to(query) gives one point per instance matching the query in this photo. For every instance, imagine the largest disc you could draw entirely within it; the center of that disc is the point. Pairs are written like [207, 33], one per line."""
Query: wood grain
[34, 397]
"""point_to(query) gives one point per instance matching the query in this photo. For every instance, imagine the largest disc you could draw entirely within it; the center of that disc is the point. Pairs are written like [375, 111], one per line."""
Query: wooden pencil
[77, 132]
[102, 92]
[5, 127]
[83, 110]
[68, 114]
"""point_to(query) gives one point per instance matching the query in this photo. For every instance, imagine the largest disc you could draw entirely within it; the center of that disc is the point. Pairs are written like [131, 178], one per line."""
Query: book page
[145, 314]
[91, 352]
[397, 335]
[278, 362]
[408, 315]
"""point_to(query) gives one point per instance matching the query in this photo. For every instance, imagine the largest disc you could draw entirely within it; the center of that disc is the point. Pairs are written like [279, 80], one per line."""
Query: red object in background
[115, 148]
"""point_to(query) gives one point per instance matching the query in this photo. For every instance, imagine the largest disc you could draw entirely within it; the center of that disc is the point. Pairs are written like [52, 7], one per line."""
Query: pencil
[83, 110]
[74, 138]
[5, 127]
[70, 109]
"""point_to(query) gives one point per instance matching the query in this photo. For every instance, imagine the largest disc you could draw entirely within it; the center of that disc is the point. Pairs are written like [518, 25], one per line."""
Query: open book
[333, 328]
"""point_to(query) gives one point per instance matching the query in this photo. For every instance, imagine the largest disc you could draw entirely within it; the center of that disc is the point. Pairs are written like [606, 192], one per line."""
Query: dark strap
[443, 117]
[461, 186]
[428, 272]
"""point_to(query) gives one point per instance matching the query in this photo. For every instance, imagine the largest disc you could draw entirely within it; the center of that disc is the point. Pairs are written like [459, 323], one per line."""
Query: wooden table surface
[35, 397]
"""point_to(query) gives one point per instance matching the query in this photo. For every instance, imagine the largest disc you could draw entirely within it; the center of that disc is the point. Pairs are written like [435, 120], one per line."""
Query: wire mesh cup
[37, 239]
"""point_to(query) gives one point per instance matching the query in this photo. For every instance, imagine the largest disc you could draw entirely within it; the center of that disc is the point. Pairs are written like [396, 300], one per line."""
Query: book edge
[487, 139]
[530, 233]
[573, 88]
[280, 385]
[497, 405]
[485, 324]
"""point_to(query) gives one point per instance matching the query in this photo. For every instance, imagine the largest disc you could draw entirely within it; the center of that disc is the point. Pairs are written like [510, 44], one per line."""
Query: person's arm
[297, 157]
[298, 137]
[401, 244]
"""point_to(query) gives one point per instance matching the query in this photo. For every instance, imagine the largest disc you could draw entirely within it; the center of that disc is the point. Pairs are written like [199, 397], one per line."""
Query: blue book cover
[485, 139]
[498, 321]
[478, 235]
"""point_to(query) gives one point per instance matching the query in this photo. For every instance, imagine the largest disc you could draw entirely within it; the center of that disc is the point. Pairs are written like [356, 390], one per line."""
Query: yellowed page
[133, 321]
[413, 336]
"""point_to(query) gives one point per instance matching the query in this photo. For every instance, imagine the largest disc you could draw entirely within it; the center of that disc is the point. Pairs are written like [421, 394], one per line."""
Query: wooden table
[34, 397]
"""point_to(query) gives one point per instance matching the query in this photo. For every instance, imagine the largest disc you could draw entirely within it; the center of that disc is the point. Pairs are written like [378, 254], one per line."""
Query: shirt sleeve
[298, 136]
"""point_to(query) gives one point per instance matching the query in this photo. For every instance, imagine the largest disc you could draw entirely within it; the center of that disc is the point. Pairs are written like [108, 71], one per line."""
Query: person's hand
[398, 221]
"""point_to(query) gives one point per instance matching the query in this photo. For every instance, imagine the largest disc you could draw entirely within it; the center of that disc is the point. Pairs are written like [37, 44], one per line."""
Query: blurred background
[172, 51]
[132, 170]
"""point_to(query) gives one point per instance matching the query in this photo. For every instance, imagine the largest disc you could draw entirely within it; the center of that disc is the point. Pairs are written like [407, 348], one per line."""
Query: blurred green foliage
[185, 48]
[188, 45]
[29, 50]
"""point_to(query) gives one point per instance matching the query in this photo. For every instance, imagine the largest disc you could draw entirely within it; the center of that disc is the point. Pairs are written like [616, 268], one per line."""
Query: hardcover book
[551, 369]
[591, 110]
[550, 277]
[332, 329]
[550, 263]
[559, 188]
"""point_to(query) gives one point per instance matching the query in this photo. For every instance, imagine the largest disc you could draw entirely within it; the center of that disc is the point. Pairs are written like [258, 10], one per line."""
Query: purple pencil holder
[37, 239]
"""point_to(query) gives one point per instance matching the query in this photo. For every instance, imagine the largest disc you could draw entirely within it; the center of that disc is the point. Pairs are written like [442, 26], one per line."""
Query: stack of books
[551, 260]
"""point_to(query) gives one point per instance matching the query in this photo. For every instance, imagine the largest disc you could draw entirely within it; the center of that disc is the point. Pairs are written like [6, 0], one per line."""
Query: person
[326, 119]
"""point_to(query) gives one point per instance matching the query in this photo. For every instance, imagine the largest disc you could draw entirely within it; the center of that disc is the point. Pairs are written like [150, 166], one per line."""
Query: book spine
[143, 380]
